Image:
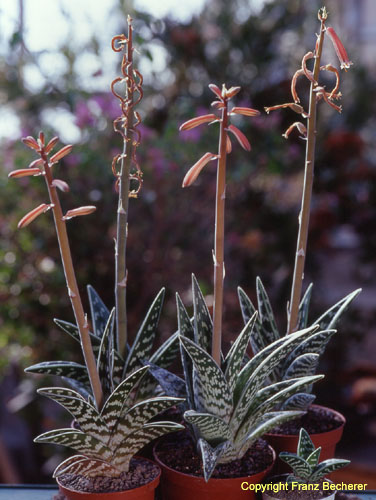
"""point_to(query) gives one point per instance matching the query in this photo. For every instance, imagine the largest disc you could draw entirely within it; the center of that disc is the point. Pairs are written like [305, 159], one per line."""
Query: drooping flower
[340, 49]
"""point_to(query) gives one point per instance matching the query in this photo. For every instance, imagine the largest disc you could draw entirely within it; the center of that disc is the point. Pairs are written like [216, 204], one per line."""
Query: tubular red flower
[243, 141]
[24, 172]
[232, 91]
[245, 111]
[340, 49]
[334, 70]
[307, 72]
[292, 105]
[195, 122]
[217, 104]
[216, 90]
[76, 212]
[301, 128]
[31, 142]
[36, 163]
[60, 154]
[29, 217]
[51, 144]
[195, 170]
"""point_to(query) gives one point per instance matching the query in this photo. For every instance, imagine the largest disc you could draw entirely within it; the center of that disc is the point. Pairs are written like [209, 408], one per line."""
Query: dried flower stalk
[125, 169]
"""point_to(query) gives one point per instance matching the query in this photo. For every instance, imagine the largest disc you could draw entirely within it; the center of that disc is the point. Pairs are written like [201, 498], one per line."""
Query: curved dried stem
[125, 168]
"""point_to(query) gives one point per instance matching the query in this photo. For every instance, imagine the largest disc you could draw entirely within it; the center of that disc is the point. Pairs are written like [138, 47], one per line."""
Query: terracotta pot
[289, 442]
[178, 486]
[145, 492]
[282, 479]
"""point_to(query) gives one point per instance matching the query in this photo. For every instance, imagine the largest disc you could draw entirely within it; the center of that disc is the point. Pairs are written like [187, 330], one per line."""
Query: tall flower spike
[125, 167]
[224, 148]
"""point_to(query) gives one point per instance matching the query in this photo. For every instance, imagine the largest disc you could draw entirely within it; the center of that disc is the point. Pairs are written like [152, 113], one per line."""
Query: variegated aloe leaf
[305, 445]
[315, 344]
[210, 427]
[137, 416]
[212, 393]
[67, 369]
[115, 404]
[299, 401]
[85, 414]
[88, 467]
[72, 330]
[104, 365]
[117, 366]
[171, 384]
[303, 365]
[143, 343]
[235, 356]
[329, 319]
[84, 444]
[210, 456]
[304, 309]
[328, 466]
[313, 458]
[203, 325]
[267, 319]
[266, 424]
[185, 329]
[99, 312]
[248, 310]
[261, 367]
[140, 438]
[300, 466]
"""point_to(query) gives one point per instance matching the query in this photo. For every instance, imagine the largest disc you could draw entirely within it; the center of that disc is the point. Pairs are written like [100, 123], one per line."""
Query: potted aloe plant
[229, 402]
[324, 425]
[308, 476]
[111, 396]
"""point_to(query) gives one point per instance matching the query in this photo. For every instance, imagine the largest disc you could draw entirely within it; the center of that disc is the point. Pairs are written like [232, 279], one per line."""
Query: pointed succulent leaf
[87, 467]
[137, 416]
[115, 404]
[329, 319]
[79, 441]
[85, 414]
[104, 365]
[267, 392]
[269, 421]
[72, 330]
[212, 392]
[303, 365]
[210, 456]
[299, 466]
[117, 367]
[67, 369]
[99, 312]
[134, 442]
[304, 308]
[313, 458]
[83, 389]
[305, 445]
[167, 353]
[267, 320]
[171, 384]
[185, 329]
[328, 466]
[210, 427]
[299, 401]
[236, 354]
[315, 344]
[143, 343]
[253, 375]
[248, 310]
[203, 325]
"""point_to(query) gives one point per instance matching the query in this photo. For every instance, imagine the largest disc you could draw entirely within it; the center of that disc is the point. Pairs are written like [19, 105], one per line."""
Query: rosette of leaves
[303, 360]
[112, 367]
[229, 407]
[106, 440]
[305, 462]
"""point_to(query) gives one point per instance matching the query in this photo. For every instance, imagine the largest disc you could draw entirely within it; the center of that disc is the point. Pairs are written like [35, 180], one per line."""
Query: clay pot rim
[214, 480]
[331, 410]
[156, 480]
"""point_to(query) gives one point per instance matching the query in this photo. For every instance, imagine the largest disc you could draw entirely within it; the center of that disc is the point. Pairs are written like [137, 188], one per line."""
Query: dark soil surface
[315, 421]
[297, 494]
[141, 472]
[178, 451]
[343, 496]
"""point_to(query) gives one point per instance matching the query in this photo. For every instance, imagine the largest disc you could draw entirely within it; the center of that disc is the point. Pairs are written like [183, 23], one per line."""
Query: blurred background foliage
[170, 229]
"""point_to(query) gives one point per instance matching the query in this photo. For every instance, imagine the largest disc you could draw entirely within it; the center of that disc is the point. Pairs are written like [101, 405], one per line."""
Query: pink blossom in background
[84, 116]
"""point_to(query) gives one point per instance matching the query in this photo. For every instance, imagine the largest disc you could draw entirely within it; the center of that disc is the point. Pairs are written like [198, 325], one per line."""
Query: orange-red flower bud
[245, 111]
[36, 163]
[76, 212]
[228, 145]
[29, 217]
[60, 154]
[24, 172]
[216, 90]
[195, 170]
[243, 141]
[30, 142]
[301, 128]
[62, 185]
[51, 144]
[195, 122]
[340, 49]
[232, 91]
